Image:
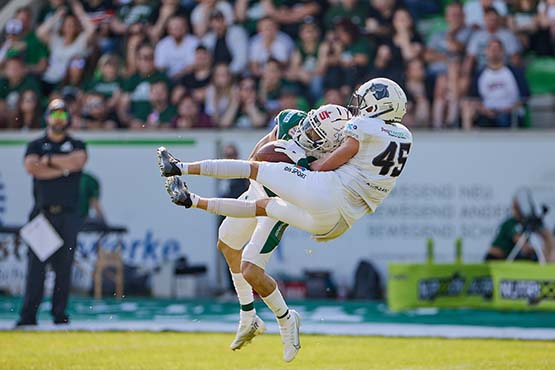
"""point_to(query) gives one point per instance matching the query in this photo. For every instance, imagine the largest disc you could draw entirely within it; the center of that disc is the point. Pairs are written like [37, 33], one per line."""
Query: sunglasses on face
[58, 115]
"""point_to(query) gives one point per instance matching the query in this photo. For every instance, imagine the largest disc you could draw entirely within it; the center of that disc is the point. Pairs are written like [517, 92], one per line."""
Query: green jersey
[89, 188]
[138, 88]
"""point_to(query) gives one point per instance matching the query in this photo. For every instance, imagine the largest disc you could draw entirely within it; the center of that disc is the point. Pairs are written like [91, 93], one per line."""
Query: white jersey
[370, 175]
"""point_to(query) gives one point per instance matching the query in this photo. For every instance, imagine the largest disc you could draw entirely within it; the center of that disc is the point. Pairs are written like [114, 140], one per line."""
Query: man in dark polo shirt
[512, 229]
[55, 162]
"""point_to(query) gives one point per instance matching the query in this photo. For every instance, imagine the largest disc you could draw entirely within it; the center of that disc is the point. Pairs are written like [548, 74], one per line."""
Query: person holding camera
[523, 224]
[55, 162]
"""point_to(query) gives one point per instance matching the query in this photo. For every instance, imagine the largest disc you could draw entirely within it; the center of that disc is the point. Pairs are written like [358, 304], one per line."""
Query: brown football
[267, 153]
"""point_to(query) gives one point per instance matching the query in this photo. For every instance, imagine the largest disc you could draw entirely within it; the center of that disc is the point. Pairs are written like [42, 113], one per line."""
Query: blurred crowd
[178, 64]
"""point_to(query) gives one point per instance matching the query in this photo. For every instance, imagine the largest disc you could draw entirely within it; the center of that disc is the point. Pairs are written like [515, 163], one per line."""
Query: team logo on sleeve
[296, 170]
[379, 91]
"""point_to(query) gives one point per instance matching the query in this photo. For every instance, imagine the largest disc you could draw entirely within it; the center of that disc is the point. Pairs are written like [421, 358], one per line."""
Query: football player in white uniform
[248, 243]
[339, 189]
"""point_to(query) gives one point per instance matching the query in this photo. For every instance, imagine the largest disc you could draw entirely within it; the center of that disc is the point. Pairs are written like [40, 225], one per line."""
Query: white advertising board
[454, 185]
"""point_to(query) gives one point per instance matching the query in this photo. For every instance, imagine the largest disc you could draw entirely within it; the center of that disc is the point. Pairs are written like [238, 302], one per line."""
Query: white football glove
[291, 149]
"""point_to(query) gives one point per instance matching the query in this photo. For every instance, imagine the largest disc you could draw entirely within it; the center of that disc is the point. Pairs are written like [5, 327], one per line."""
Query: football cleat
[289, 330]
[167, 163]
[178, 192]
[247, 331]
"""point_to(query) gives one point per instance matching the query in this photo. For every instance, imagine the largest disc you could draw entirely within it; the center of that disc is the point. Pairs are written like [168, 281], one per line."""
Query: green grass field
[137, 350]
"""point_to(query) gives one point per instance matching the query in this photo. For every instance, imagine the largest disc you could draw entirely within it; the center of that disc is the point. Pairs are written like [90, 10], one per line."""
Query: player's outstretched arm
[339, 157]
[270, 136]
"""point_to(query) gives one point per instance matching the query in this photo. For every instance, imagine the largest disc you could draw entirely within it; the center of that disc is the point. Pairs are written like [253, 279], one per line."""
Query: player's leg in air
[233, 234]
[306, 200]
[256, 255]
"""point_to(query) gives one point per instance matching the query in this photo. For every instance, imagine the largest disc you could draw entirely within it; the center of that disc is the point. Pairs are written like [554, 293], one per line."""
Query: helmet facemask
[354, 104]
[309, 135]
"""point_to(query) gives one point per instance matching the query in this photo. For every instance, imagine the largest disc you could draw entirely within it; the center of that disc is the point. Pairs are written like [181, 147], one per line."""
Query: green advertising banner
[523, 285]
[438, 285]
[497, 285]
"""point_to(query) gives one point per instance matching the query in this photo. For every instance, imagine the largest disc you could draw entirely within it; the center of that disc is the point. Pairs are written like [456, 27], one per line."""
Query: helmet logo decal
[379, 91]
[324, 114]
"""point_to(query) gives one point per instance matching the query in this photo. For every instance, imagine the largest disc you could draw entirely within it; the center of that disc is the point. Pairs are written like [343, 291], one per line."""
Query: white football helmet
[379, 98]
[322, 129]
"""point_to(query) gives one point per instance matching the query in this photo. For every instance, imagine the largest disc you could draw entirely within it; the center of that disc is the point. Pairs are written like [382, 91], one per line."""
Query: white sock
[244, 293]
[225, 168]
[194, 198]
[184, 167]
[231, 207]
[276, 303]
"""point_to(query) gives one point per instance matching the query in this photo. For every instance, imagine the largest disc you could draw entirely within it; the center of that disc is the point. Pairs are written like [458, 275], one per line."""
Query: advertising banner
[496, 285]
[442, 285]
[523, 286]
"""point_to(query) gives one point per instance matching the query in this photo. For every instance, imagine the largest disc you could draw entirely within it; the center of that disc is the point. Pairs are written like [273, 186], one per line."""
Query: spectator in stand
[476, 48]
[200, 17]
[380, 18]
[348, 56]
[332, 96]
[352, 9]
[130, 12]
[96, 113]
[167, 10]
[135, 99]
[405, 35]
[28, 115]
[175, 52]
[546, 36]
[189, 115]
[444, 56]
[100, 13]
[106, 80]
[268, 43]
[13, 43]
[197, 80]
[219, 92]
[75, 73]
[290, 14]
[522, 21]
[49, 9]
[73, 103]
[499, 92]
[475, 10]
[306, 66]
[418, 112]
[421, 8]
[14, 83]
[248, 13]
[270, 85]
[161, 112]
[388, 63]
[136, 36]
[228, 44]
[25, 41]
[290, 98]
[245, 110]
[66, 43]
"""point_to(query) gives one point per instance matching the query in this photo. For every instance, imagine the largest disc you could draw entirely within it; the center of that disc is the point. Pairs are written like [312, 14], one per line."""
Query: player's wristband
[305, 162]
